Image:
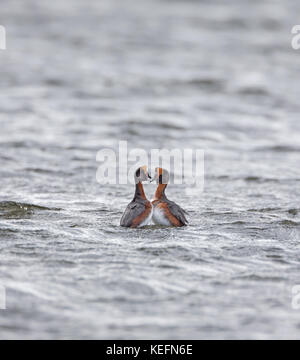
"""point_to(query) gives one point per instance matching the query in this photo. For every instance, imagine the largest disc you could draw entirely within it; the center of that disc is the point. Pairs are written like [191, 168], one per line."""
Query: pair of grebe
[161, 210]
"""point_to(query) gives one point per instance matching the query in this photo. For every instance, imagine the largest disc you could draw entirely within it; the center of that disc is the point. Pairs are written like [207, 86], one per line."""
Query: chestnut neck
[139, 191]
[160, 191]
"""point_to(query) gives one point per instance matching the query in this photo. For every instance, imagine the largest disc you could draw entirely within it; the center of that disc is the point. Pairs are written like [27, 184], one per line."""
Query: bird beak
[154, 178]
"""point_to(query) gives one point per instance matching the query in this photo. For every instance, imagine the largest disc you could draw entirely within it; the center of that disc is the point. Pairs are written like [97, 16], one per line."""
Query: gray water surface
[79, 76]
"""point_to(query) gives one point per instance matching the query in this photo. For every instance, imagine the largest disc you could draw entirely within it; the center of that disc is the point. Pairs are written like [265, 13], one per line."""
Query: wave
[12, 209]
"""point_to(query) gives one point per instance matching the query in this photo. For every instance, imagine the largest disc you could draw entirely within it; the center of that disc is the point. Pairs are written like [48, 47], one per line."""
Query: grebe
[166, 212]
[139, 212]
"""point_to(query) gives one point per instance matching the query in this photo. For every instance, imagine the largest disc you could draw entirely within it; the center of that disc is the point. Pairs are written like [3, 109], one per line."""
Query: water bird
[139, 212]
[166, 212]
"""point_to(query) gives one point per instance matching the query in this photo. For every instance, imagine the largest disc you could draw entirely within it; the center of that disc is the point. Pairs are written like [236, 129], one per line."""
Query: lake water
[79, 76]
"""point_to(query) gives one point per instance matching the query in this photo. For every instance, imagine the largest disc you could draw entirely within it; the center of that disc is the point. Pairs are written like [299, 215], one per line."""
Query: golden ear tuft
[144, 169]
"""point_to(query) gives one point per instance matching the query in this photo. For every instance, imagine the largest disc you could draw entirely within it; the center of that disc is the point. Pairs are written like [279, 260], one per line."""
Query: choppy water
[79, 76]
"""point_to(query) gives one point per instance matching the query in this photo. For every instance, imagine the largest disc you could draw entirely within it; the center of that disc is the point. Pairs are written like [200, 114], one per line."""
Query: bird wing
[177, 211]
[133, 210]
